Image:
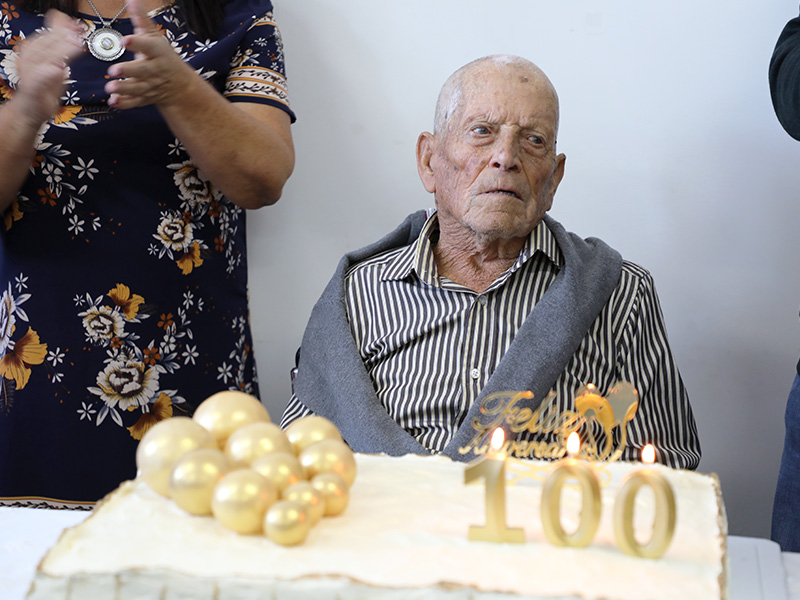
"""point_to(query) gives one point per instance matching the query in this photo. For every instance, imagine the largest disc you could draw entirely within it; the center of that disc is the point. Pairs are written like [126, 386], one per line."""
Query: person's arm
[245, 149]
[664, 416]
[784, 78]
[41, 65]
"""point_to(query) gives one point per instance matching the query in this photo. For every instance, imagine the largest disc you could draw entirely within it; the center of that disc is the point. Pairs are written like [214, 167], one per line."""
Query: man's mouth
[506, 192]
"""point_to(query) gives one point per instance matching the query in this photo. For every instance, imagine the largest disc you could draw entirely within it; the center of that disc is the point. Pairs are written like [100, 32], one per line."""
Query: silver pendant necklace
[105, 42]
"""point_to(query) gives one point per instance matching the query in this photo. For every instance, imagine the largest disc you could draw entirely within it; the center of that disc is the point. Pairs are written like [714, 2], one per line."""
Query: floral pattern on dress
[52, 160]
[129, 264]
[18, 353]
[200, 200]
[130, 380]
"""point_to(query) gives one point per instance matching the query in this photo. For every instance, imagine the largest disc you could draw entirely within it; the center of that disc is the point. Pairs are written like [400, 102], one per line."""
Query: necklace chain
[101, 18]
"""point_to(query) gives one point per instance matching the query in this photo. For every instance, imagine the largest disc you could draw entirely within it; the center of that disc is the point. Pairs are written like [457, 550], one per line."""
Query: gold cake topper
[595, 415]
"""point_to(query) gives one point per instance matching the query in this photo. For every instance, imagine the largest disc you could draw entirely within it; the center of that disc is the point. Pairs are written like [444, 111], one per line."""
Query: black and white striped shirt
[430, 345]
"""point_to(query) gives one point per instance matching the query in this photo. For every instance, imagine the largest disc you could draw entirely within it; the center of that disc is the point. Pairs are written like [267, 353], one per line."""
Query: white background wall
[674, 157]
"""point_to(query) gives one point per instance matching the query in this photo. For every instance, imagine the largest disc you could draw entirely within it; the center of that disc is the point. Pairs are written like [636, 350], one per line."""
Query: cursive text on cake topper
[542, 432]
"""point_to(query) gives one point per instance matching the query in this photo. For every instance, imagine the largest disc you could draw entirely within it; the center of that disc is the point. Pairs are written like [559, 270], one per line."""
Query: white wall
[674, 157]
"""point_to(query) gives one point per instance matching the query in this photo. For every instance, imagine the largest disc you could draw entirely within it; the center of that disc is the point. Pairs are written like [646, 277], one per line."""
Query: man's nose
[506, 151]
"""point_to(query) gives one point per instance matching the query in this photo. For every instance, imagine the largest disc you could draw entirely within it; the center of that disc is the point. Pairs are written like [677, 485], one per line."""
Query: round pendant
[105, 43]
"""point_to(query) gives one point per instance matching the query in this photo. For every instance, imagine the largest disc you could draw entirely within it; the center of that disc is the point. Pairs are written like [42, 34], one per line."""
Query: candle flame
[573, 443]
[648, 454]
[498, 438]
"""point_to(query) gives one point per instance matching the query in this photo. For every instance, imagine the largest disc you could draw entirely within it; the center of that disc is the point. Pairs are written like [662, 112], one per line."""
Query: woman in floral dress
[124, 184]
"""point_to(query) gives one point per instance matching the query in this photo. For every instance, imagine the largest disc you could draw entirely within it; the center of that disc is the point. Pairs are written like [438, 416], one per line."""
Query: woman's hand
[244, 148]
[42, 70]
[42, 67]
[156, 75]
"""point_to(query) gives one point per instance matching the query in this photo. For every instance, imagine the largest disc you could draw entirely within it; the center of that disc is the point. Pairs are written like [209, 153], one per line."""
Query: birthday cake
[404, 535]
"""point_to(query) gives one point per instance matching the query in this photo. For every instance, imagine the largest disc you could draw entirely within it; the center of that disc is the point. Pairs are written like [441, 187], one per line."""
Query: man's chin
[503, 229]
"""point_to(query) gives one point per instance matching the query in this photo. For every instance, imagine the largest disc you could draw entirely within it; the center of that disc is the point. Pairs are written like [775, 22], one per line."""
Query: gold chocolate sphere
[287, 523]
[335, 491]
[255, 440]
[241, 499]
[281, 468]
[329, 456]
[308, 496]
[224, 412]
[194, 477]
[309, 430]
[162, 446]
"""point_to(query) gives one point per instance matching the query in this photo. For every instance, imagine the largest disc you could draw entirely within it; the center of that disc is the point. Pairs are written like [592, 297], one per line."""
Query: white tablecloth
[758, 570]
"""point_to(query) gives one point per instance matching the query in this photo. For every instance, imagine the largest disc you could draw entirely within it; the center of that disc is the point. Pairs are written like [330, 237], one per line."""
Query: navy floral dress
[123, 297]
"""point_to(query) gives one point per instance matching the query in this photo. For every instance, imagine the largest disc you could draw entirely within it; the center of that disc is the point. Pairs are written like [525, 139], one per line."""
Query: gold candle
[591, 503]
[491, 468]
[663, 518]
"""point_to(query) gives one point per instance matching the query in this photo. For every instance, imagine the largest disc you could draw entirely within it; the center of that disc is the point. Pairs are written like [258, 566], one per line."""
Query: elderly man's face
[494, 170]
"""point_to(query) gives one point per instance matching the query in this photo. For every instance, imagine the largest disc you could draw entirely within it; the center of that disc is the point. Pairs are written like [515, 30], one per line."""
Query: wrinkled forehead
[499, 93]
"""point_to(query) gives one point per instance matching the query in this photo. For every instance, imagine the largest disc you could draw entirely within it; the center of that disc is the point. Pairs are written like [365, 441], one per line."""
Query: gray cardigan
[333, 382]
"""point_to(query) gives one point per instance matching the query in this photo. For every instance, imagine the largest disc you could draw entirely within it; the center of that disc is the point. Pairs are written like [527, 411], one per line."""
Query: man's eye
[535, 139]
[480, 130]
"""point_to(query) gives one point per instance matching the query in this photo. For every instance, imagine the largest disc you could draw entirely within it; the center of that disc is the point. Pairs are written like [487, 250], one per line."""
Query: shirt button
[482, 300]
[475, 373]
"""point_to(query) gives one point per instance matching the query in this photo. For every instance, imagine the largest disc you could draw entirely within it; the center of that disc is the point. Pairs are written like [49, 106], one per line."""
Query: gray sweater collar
[333, 382]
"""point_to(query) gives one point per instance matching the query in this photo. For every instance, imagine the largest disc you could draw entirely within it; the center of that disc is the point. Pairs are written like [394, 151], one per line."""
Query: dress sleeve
[664, 417]
[257, 70]
[784, 78]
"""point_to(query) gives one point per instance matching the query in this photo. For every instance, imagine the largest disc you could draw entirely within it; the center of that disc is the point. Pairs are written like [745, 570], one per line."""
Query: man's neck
[475, 261]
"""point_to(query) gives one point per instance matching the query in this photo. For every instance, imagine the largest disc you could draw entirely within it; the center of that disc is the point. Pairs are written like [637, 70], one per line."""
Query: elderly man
[417, 332]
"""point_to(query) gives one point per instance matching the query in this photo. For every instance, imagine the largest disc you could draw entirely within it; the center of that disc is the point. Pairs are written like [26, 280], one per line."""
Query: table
[758, 569]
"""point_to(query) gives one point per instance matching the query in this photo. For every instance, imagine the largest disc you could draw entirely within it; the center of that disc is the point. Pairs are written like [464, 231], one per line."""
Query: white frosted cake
[403, 535]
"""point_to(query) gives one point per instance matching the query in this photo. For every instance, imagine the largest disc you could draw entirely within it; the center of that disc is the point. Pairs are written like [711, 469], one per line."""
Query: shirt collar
[418, 257]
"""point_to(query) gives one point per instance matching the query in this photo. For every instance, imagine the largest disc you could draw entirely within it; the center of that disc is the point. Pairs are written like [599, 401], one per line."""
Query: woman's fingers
[42, 63]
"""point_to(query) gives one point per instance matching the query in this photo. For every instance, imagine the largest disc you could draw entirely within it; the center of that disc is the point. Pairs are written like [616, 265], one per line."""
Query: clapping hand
[156, 75]
[42, 67]
[244, 148]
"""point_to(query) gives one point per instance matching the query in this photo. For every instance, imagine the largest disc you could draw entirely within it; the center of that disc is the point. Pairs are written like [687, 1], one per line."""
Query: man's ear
[558, 172]
[425, 146]
[555, 179]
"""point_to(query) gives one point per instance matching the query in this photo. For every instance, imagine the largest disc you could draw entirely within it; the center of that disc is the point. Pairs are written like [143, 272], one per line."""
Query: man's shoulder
[634, 281]
[388, 249]
[631, 273]
[375, 263]
[636, 271]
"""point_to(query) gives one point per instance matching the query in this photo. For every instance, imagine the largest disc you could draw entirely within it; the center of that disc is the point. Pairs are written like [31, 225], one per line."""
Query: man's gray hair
[452, 90]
